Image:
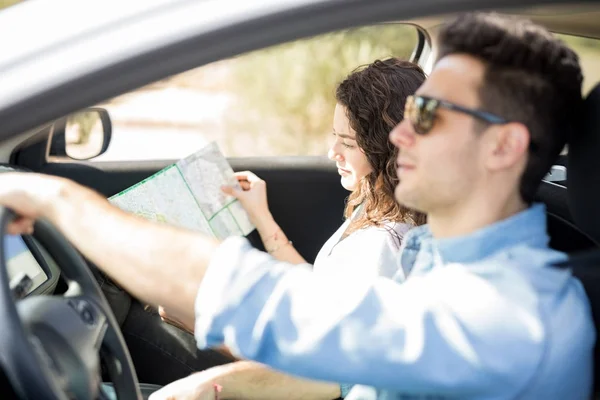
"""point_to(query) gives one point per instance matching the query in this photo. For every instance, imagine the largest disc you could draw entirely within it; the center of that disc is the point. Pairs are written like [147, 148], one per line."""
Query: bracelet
[279, 247]
[273, 236]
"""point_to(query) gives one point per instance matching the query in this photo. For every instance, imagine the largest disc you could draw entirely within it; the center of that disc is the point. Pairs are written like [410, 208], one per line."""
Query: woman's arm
[253, 197]
[252, 194]
[277, 243]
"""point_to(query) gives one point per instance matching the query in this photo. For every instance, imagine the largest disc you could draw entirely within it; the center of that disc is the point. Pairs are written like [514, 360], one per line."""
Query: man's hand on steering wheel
[52, 344]
[29, 196]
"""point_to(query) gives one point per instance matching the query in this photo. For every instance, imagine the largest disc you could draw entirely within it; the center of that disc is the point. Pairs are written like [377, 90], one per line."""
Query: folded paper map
[188, 194]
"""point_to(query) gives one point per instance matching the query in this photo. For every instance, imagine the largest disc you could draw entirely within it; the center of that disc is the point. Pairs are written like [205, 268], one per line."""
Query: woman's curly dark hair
[374, 98]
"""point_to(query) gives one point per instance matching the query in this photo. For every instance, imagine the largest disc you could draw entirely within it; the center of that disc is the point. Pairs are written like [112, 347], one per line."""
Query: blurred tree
[289, 90]
[7, 3]
[588, 50]
[82, 123]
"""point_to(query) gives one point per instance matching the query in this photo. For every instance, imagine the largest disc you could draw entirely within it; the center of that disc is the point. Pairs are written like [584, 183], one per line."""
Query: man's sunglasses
[421, 112]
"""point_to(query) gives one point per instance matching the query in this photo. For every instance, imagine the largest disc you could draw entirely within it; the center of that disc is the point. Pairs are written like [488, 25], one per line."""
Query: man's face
[443, 167]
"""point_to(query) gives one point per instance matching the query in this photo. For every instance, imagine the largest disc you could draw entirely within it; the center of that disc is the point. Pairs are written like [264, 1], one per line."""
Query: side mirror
[82, 135]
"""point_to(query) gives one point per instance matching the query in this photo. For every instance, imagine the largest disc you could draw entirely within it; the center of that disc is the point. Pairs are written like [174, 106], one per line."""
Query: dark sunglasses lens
[421, 113]
[425, 112]
[411, 112]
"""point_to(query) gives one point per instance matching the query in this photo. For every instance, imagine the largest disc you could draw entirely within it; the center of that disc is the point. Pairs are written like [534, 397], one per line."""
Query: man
[484, 314]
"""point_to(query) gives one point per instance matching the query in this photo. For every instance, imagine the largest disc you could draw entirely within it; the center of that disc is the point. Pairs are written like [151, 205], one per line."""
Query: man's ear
[508, 146]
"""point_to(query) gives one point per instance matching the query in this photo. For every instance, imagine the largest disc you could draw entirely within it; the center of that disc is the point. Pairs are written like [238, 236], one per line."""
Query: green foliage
[580, 43]
[588, 50]
[7, 3]
[289, 89]
[85, 122]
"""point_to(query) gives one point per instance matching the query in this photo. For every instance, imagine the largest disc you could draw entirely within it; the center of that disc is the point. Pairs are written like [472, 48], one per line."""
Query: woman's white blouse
[370, 251]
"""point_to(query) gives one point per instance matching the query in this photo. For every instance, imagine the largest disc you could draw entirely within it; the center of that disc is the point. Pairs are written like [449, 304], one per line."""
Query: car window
[588, 50]
[277, 101]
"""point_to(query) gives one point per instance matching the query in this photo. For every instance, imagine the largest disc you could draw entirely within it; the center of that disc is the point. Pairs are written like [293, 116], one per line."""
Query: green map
[188, 194]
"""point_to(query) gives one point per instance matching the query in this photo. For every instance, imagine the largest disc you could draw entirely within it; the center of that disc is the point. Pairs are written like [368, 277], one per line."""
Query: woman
[370, 102]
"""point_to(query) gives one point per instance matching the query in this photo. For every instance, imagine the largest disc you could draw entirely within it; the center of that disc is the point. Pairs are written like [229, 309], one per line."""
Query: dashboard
[22, 264]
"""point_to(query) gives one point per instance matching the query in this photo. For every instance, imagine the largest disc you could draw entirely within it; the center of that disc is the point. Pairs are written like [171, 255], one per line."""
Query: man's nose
[403, 135]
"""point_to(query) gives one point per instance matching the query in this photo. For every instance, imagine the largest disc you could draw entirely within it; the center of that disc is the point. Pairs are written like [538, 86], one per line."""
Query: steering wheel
[50, 346]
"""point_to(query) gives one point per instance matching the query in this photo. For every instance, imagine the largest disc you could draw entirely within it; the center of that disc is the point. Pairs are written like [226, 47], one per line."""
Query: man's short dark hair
[531, 77]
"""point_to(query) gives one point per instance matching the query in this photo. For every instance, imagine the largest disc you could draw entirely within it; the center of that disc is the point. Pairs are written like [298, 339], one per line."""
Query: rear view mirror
[82, 135]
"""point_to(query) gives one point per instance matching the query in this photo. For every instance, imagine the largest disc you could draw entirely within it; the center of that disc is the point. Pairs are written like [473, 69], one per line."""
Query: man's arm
[253, 381]
[158, 264]
[249, 381]
[447, 333]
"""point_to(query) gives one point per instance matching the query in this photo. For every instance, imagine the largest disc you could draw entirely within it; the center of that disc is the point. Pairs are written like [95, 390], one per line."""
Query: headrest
[583, 168]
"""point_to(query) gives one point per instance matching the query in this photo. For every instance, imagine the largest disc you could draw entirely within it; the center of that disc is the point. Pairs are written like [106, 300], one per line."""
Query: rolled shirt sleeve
[440, 333]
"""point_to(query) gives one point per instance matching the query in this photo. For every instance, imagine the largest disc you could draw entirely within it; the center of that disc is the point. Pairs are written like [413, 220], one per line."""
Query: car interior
[304, 191]
[582, 200]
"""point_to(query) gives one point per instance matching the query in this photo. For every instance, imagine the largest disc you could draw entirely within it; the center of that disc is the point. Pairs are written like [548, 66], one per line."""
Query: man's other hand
[198, 386]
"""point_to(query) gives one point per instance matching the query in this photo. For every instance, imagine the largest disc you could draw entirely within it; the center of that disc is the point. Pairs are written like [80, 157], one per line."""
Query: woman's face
[352, 163]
